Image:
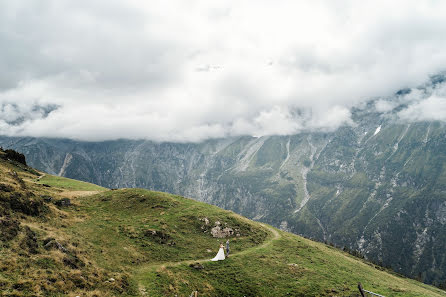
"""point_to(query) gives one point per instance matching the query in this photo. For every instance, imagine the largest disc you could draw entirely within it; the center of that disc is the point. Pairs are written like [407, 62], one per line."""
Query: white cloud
[430, 109]
[187, 71]
[385, 105]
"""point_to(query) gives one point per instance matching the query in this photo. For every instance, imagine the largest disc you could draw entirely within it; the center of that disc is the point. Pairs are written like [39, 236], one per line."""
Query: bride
[220, 255]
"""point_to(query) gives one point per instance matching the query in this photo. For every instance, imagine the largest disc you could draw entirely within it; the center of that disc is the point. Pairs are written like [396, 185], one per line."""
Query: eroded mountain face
[378, 187]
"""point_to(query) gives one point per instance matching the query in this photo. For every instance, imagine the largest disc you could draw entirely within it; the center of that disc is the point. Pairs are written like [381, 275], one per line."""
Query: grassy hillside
[67, 183]
[62, 237]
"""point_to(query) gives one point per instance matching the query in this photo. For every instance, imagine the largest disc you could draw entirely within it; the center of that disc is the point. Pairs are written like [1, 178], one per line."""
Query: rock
[111, 279]
[196, 265]
[64, 202]
[209, 250]
[218, 232]
[51, 243]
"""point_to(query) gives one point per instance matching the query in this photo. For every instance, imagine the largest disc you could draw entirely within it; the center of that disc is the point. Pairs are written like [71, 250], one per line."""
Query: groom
[227, 248]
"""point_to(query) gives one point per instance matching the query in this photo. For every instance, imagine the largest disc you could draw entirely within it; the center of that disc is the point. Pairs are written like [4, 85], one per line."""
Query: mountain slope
[350, 187]
[136, 242]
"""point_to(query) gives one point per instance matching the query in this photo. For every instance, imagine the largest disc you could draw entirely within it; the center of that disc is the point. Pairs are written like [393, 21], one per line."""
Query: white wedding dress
[220, 255]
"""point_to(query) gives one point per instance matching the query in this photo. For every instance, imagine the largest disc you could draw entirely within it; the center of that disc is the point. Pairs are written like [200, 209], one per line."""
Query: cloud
[427, 104]
[430, 109]
[383, 105]
[177, 71]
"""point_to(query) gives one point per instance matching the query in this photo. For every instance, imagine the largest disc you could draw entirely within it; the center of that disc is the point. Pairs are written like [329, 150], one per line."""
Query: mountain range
[377, 186]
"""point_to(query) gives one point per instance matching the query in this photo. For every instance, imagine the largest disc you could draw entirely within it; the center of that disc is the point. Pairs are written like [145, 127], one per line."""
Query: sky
[199, 69]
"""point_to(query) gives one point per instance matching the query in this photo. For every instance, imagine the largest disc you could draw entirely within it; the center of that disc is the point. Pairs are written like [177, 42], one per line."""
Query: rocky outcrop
[218, 229]
[53, 244]
[220, 232]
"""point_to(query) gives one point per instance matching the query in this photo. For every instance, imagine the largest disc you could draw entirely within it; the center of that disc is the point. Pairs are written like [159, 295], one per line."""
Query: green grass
[118, 222]
[68, 183]
[266, 266]
[289, 266]
[107, 235]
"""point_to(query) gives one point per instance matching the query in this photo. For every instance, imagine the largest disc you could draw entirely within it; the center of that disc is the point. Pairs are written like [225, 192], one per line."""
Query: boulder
[51, 243]
[64, 202]
[219, 232]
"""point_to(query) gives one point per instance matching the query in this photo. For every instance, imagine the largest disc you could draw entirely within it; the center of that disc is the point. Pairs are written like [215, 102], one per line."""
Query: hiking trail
[153, 267]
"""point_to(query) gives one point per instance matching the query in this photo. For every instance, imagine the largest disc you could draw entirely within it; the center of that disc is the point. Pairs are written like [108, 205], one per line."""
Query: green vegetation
[68, 183]
[135, 242]
[288, 266]
[156, 227]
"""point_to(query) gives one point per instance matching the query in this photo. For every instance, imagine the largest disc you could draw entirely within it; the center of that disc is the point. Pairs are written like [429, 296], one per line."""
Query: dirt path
[275, 236]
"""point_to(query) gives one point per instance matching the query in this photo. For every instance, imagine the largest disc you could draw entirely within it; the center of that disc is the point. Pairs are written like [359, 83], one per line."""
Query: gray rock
[218, 232]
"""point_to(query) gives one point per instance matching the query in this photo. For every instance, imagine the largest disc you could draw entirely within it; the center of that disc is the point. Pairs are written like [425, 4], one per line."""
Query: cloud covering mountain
[187, 71]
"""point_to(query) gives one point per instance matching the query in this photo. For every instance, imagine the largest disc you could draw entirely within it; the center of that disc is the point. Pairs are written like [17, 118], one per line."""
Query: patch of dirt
[76, 194]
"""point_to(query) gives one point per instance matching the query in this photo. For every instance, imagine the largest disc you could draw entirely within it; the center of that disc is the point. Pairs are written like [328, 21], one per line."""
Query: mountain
[376, 187]
[62, 237]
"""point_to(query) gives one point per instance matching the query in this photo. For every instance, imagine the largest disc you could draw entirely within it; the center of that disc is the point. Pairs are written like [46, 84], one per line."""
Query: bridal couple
[221, 252]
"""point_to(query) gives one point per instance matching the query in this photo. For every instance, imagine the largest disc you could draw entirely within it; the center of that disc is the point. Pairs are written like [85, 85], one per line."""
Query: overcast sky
[192, 70]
